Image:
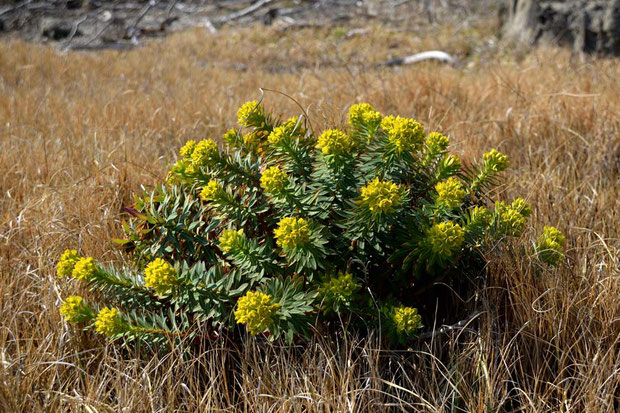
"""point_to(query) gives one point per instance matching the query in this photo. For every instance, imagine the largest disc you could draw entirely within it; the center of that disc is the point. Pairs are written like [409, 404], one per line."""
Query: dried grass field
[81, 133]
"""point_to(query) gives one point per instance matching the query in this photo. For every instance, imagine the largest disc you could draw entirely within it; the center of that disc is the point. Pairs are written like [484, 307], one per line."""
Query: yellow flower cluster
[372, 118]
[274, 180]
[72, 309]
[452, 161]
[338, 289]
[109, 322]
[495, 160]
[67, 262]
[550, 245]
[231, 240]
[405, 134]
[257, 310]
[407, 320]
[446, 238]
[381, 196]
[292, 233]
[292, 125]
[211, 191]
[522, 207]
[450, 193]
[251, 114]
[285, 131]
[160, 276]
[230, 136]
[513, 218]
[204, 152]
[334, 142]
[480, 217]
[277, 135]
[188, 149]
[71, 264]
[250, 140]
[85, 269]
[512, 222]
[364, 114]
[437, 142]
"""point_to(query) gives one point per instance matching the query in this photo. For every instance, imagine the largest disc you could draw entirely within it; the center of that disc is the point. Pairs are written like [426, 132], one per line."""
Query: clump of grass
[284, 231]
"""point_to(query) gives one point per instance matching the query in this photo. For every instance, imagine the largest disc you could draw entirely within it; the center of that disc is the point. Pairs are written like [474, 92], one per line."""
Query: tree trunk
[590, 26]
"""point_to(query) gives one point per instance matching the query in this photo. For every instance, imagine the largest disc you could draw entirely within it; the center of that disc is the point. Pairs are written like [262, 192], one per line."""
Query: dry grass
[81, 133]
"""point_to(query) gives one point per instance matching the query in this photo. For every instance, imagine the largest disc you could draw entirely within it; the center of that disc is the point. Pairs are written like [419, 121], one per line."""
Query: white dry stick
[419, 57]
[244, 12]
[206, 23]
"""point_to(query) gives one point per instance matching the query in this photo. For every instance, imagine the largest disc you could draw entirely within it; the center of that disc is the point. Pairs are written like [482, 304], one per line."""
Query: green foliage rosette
[279, 231]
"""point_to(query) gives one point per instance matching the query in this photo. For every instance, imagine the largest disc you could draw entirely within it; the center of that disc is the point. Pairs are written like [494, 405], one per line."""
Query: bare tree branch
[244, 12]
[448, 328]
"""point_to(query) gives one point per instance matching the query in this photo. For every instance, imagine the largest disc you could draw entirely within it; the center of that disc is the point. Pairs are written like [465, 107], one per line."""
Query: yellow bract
[436, 142]
[550, 245]
[337, 289]
[250, 140]
[257, 310]
[495, 160]
[521, 206]
[381, 196]
[512, 222]
[109, 322]
[188, 149]
[450, 193]
[292, 233]
[407, 320]
[212, 191]
[251, 114]
[364, 114]
[452, 161]
[480, 217]
[67, 262]
[513, 218]
[404, 133]
[372, 118]
[160, 276]
[273, 180]
[334, 142]
[231, 240]
[84, 269]
[72, 308]
[446, 238]
[203, 152]
[285, 131]
[230, 136]
[277, 135]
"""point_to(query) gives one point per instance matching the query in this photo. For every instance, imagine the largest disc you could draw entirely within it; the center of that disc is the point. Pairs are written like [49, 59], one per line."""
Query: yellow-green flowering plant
[550, 246]
[279, 230]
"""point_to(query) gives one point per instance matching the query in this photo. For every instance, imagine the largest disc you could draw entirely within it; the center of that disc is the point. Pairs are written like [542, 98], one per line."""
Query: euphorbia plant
[281, 230]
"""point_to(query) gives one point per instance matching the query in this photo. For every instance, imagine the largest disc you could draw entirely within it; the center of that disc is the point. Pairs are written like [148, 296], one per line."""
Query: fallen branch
[448, 328]
[15, 7]
[74, 29]
[132, 32]
[244, 12]
[419, 57]
[170, 7]
[85, 46]
[293, 24]
[208, 25]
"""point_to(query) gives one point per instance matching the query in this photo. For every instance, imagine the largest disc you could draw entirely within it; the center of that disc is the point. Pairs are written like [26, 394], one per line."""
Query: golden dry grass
[81, 133]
